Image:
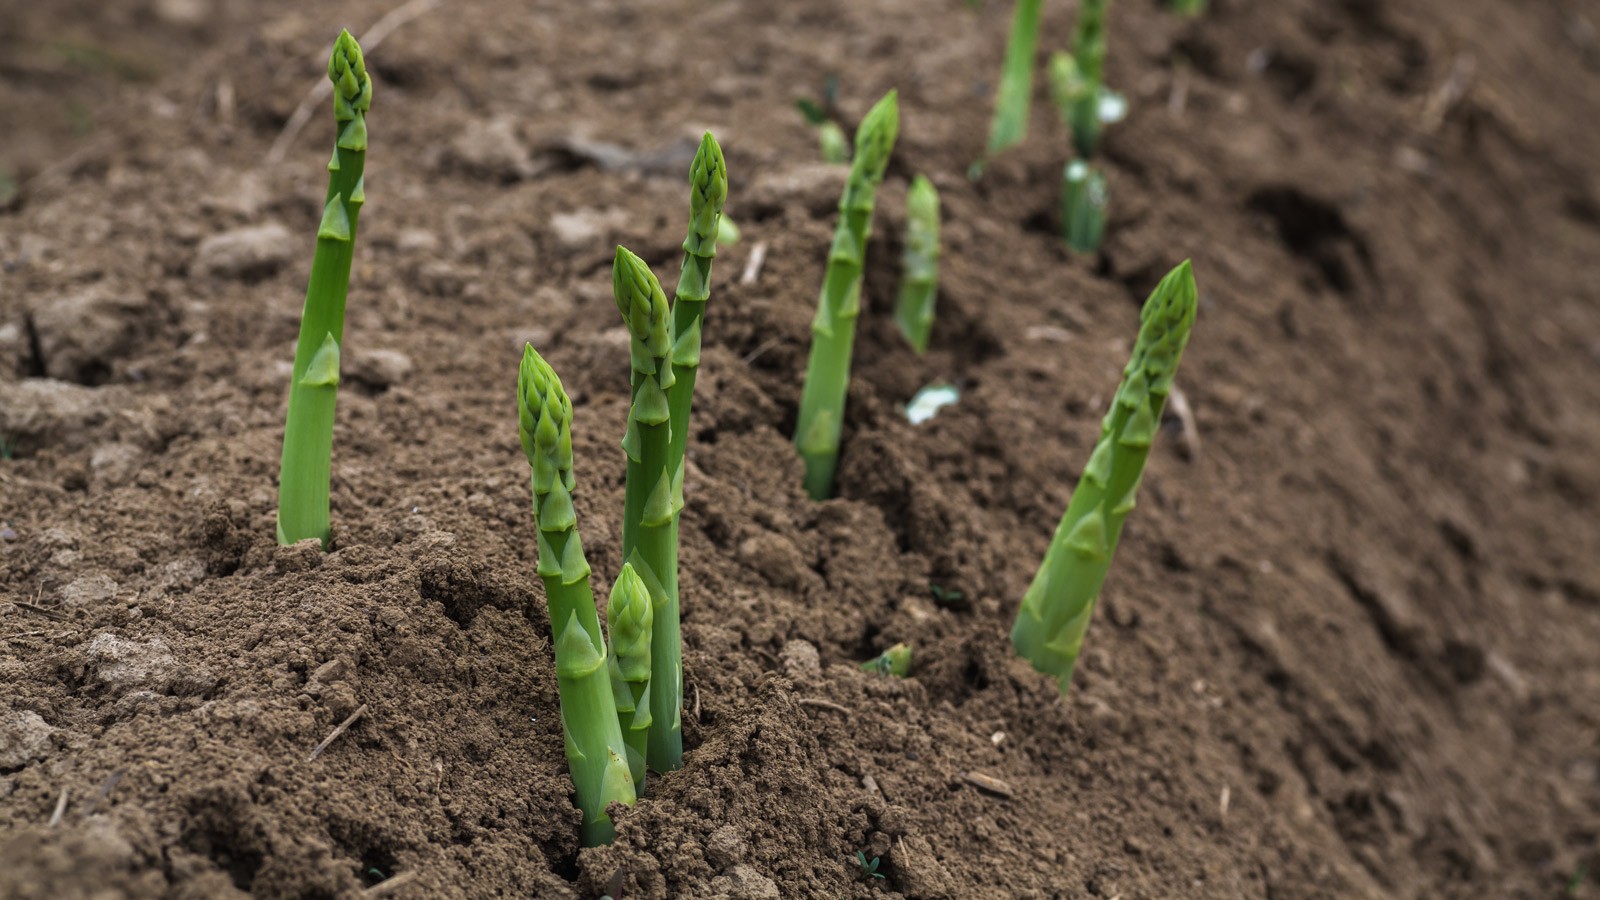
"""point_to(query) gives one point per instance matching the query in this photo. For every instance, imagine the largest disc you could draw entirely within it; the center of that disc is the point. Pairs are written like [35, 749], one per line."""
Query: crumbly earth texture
[1351, 644]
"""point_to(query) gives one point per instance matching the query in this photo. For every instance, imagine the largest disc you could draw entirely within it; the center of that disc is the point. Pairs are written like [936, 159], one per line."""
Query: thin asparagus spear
[1055, 613]
[919, 279]
[1011, 101]
[649, 540]
[833, 331]
[314, 387]
[596, 752]
[628, 617]
[1089, 52]
[1083, 206]
[708, 188]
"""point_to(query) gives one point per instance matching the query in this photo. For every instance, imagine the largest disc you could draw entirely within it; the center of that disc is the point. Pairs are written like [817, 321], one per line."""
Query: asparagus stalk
[833, 331]
[708, 188]
[649, 535]
[1089, 52]
[1011, 101]
[628, 618]
[596, 752]
[919, 280]
[1055, 612]
[314, 387]
[1083, 206]
[894, 661]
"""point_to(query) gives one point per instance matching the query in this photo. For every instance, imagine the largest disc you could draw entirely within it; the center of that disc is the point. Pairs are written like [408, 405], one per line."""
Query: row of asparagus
[621, 688]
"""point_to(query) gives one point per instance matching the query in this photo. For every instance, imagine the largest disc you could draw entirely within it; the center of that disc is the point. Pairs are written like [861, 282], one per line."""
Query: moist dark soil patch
[1351, 647]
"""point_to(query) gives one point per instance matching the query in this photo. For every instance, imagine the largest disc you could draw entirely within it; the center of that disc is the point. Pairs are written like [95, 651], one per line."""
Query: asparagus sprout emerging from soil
[1089, 56]
[1188, 7]
[1055, 613]
[1012, 99]
[894, 661]
[919, 279]
[314, 387]
[628, 618]
[833, 331]
[1083, 206]
[708, 190]
[597, 756]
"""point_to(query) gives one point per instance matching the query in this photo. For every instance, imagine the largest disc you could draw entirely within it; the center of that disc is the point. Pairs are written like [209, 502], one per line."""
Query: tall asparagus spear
[314, 387]
[1012, 99]
[708, 188]
[833, 331]
[919, 279]
[649, 538]
[1055, 613]
[629, 619]
[596, 752]
[1089, 52]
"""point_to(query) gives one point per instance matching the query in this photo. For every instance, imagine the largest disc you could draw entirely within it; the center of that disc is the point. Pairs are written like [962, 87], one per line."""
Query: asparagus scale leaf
[833, 331]
[314, 386]
[708, 190]
[919, 278]
[597, 756]
[1054, 617]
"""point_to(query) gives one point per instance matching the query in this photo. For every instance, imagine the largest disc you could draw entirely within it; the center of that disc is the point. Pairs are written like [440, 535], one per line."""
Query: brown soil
[1351, 647]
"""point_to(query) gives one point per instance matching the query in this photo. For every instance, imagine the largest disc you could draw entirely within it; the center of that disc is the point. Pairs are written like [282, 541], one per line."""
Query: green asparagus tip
[630, 621]
[875, 138]
[545, 416]
[347, 69]
[644, 309]
[708, 176]
[894, 661]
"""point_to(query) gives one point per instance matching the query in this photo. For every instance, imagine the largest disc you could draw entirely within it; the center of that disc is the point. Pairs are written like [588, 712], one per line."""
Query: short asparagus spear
[596, 752]
[628, 618]
[833, 331]
[1083, 206]
[651, 501]
[314, 386]
[708, 188]
[1089, 52]
[919, 278]
[1055, 613]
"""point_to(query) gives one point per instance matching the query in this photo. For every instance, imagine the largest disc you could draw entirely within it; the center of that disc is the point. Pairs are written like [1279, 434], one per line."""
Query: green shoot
[8, 446]
[1015, 94]
[830, 137]
[946, 597]
[1083, 206]
[628, 618]
[833, 331]
[596, 752]
[894, 661]
[868, 869]
[314, 387]
[708, 189]
[1188, 7]
[1055, 613]
[919, 279]
[728, 232]
[652, 494]
[1089, 56]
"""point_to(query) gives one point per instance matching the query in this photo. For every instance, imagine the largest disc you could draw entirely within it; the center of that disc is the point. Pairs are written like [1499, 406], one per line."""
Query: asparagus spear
[1011, 101]
[629, 619]
[1055, 613]
[314, 387]
[708, 188]
[919, 280]
[1083, 206]
[649, 538]
[894, 661]
[833, 331]
[1089, 52]
[596, 752]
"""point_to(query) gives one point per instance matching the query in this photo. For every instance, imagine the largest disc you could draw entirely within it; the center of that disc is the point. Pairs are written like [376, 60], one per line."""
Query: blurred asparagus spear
[919, 279]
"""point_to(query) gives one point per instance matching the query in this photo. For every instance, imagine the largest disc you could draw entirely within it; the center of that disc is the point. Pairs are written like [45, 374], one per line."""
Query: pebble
[89, 590]
[80, 334]
[24, 737]
[745, 883]
[726, 847]
[801, 660]
[380, 368]
[253, 252]
[493, 149]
